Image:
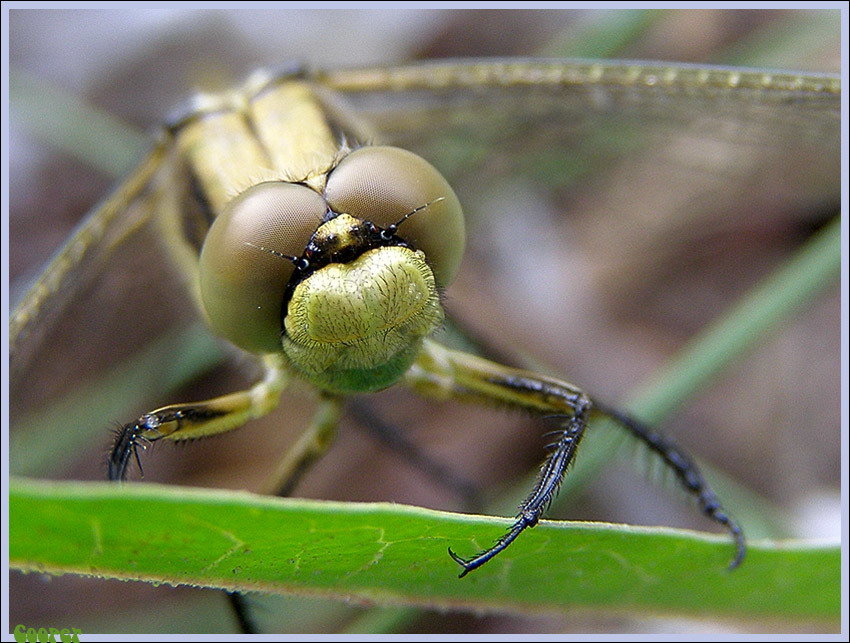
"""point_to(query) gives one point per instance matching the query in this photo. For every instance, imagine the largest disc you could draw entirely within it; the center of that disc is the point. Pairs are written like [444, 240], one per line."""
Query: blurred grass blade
[785, 43]
[393, 554]
[813, 269]
[604, 37]
[62, 120]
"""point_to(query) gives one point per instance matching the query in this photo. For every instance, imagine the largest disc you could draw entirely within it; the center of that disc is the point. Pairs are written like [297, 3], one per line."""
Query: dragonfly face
[361, 202]
[550, 105]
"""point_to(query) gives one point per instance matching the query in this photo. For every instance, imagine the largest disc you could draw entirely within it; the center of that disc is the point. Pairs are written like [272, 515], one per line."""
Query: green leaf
[390, 554]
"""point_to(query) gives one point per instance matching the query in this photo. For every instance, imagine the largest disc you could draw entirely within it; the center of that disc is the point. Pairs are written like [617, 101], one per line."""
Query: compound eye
[242, 283]
[382, 184]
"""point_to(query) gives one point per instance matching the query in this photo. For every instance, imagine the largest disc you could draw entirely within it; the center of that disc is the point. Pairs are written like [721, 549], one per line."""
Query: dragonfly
[346, 111]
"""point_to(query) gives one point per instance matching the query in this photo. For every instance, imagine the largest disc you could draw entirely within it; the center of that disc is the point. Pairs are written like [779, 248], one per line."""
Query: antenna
[390, 230]
[298, 262]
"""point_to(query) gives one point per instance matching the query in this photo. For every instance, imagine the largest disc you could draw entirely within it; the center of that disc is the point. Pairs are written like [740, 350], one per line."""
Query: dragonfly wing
[106, 331]
[597, 112]
[653, 160]
[83, 255]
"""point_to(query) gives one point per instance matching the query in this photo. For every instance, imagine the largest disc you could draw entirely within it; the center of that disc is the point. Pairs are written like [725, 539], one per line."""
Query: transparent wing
[625, 148]
[85, 254]
[107, 324]
[625, 177]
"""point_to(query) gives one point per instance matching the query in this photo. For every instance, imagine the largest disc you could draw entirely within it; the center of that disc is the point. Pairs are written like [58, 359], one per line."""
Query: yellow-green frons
[361, 315]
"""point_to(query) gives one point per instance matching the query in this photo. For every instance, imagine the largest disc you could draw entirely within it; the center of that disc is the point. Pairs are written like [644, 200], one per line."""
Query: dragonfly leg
[241, 609]
[551, 474]
[443, 373]
[201, 419]
[687, 472]
[311, 446]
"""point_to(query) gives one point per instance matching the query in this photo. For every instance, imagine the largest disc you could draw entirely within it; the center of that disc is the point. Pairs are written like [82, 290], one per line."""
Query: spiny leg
[188, 421]
[687, 472]
[551, 474]
[446, 374]
[201, 419]
[443, 373]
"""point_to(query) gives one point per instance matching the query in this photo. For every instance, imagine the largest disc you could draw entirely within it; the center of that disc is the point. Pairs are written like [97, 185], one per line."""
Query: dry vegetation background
[605, 296]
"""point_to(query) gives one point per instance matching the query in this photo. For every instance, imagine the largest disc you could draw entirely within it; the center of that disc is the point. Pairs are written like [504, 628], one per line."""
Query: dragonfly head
[345, 282]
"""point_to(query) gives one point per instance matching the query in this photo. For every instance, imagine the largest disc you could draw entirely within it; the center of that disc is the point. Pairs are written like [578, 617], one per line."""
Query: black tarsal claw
[128, 441]
[740, 548]
[124, 448]
[462, 562]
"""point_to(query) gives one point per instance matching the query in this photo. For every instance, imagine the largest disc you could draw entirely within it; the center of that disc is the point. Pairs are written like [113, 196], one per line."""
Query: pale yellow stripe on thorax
[224, 156]
[275, 133]
[294, 130]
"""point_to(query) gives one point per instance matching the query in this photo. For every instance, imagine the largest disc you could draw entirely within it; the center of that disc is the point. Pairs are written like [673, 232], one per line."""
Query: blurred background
[604, 277]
